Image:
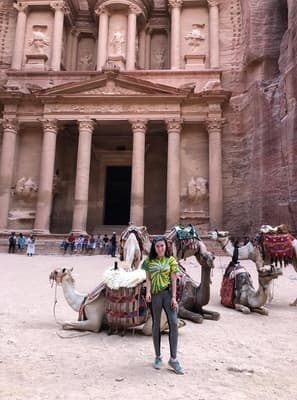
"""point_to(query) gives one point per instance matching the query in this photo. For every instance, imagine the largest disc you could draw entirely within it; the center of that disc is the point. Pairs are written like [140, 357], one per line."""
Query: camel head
[59, 274]
[217, 235]
[267, 273]
[206, 256]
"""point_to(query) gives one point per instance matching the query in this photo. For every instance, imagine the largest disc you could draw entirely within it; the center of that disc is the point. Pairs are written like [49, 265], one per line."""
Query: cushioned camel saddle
[186, 232]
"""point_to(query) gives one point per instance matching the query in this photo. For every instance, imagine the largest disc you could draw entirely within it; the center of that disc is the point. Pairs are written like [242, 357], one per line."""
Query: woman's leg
[156, 310]
[172, 322]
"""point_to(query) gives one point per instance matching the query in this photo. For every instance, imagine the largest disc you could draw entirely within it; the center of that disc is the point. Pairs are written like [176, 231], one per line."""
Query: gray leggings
[161, 301]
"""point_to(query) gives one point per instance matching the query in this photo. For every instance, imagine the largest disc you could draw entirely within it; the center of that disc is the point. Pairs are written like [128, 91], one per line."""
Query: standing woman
[161, 269]
[31, 246]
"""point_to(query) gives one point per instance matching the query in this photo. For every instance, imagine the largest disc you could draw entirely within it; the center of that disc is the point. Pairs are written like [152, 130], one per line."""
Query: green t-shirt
[160, 269]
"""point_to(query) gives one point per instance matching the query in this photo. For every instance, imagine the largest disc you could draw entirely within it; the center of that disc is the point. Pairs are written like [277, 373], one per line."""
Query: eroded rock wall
[260, 137]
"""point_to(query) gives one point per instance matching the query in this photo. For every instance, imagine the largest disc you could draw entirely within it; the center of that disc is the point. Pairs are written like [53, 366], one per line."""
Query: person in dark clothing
[235, 252]
[113, 244]
[12, 242]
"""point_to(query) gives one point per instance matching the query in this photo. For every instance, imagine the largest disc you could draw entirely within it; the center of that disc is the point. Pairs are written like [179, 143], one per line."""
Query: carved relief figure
[117, 43]
[159, 57]
[195, 37]
[25, 189]
[39, 39]
[197, 190]
[86, 62]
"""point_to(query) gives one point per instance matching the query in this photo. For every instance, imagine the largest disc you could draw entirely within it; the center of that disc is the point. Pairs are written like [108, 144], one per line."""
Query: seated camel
[92, 311]
[245, 297]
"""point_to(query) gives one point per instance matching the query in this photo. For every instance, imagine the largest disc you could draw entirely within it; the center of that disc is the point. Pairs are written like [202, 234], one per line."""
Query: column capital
[58, 5]
[101, 10]
[21, 6]
[138, 124]
[50, 125]
[86, 125]
[175, 3]
[173, 125]
[133, 9]
[214, 125]
[212, 3]
[10, 125]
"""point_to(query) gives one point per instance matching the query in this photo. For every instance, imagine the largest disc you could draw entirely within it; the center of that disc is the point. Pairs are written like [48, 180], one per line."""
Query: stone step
[52, 246]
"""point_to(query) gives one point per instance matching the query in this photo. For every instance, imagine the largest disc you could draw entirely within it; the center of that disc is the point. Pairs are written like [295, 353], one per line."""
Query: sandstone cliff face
[260, 138]
[7, 31]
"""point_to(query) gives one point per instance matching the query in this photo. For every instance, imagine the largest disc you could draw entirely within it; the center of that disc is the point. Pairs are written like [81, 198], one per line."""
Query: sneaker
[157, 362]
[175, 365]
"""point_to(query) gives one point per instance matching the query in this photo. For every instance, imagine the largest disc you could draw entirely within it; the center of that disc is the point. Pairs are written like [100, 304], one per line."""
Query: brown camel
[194, 296]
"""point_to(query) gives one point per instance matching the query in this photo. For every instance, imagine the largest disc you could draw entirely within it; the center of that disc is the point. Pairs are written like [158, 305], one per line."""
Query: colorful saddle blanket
[278, 245]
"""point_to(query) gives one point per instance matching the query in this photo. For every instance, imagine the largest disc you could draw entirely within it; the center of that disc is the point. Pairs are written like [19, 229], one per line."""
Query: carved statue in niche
[117, 43]
[25, 189]
[39, 39]
[85, 62]
[197, 192]
[159, 57]
[195, 37]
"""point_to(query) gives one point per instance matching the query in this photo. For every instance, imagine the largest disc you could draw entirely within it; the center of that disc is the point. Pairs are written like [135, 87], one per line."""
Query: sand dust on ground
[239, 357]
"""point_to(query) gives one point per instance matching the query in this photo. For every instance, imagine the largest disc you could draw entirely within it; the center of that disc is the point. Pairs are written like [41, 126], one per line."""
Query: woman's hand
[173, 303]
[148, 297]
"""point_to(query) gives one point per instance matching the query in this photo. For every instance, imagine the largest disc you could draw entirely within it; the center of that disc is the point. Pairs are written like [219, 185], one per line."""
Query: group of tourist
[21, 243]
[89, 244]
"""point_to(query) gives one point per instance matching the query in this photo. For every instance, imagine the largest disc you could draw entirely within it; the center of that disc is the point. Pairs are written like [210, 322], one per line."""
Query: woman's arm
[148, 297]
[173, 290]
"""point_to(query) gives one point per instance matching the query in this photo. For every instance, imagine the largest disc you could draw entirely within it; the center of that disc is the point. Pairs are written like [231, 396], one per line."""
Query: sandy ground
[242, 357]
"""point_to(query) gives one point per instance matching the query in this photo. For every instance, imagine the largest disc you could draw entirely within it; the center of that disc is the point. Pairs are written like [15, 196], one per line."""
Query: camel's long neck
[73, 298]
[258, 298]
[203, 290]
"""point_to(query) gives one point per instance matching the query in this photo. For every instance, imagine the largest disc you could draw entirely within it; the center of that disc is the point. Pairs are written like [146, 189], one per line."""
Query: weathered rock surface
[260, 138]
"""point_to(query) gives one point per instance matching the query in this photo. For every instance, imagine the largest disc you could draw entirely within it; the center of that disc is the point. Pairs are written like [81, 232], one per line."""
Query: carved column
[102, 37]
[10, 128]
[142, 38]
[75, 34]
[214, 49]
[175, 32]
[131, 38]
[148, 49]
[173, 173]
[138, 162]
[81, 194]
[57, 42]
[44, 199]
[214, 128]
[19, 40]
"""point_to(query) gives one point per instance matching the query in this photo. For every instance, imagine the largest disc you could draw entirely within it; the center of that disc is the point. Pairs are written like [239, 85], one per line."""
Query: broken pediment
[115, 84]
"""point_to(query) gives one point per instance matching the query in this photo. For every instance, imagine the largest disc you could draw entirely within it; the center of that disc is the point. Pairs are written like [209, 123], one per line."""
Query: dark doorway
[117, 195]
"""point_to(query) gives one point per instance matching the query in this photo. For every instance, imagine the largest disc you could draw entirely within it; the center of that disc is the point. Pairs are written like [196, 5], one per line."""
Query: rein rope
[59, 322]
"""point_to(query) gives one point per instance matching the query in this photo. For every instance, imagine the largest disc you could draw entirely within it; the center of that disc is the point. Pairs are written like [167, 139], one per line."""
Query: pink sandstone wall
[260, 137]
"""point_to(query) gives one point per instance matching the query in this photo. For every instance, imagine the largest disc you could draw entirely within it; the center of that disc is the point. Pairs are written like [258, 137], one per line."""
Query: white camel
[249, 252]
[94, 318]
[134, 242]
